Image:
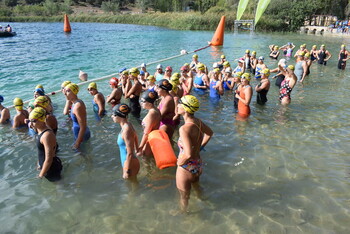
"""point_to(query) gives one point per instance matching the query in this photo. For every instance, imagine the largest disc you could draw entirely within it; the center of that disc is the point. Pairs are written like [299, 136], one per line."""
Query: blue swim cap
[1, 99]
[39, 91]
[142, 73]
[121, 70]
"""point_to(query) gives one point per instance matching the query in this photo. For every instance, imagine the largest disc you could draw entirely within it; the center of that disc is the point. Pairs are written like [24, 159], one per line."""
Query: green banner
[262, 5]
[241, 8]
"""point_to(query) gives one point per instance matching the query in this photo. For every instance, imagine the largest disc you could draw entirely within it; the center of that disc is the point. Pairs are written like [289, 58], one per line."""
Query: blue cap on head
[289, 43]
[39, 91]
[142, 73]
[121, 70]
[1, 99]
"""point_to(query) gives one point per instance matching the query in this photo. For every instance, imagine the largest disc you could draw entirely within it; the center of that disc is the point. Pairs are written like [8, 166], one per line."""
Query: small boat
[7, 34]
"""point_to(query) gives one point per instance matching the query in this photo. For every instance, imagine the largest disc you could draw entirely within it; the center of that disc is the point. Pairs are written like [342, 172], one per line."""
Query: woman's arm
[5, 115]
[67, 107]
[80, 113]
[208, 133]
[101, 104]
[329, 55]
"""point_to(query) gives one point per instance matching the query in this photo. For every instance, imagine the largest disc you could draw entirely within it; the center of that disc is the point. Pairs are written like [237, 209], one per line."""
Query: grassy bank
[182, 21]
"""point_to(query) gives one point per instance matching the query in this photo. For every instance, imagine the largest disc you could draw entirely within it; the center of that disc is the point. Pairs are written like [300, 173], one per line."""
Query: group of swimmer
[165, 95]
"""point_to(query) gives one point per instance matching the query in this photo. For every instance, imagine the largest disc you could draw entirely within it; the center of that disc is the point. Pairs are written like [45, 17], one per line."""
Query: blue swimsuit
[96, 110]
[76, 127]
[213, 94]
[198, 81]
[122, 148]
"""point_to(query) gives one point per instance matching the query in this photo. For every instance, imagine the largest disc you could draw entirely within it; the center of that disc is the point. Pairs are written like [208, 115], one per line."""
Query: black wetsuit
[341, 63]
[274, 53]
[261, 95]
[322, 55]
[135, 106]
[279, 79]
[54, 173]
[235, 100]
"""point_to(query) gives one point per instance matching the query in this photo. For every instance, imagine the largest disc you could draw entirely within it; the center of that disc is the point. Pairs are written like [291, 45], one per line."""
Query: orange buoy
[218, 38]
[66, 27]
[161, 149]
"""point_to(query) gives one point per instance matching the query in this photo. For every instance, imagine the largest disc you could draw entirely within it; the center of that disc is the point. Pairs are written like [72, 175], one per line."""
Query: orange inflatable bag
[161, 149]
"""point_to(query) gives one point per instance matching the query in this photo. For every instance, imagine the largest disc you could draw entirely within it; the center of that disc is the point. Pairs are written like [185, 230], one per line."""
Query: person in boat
[4, 112]
[80, 129]
[193, 137]
[98, 102]
[21, 116]
[127, 142]
[8, 28]
[150, 122]
[116, 94]
[323, 55]
[49, 165]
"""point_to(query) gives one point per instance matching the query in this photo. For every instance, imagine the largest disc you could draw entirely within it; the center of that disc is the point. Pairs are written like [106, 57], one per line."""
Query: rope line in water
[115, 74]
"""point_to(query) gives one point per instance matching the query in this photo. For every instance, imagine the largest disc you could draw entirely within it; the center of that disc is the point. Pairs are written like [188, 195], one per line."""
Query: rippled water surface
[285, 170]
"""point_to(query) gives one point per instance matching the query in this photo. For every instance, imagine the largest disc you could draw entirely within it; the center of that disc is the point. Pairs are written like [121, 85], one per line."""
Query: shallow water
[285, 170]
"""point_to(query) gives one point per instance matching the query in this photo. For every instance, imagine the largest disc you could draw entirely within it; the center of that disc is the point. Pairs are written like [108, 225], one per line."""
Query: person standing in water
[134, 93]
[21, 116]
[342, 57]
[49, 165]
[193, 137]
[263, 87]
[244, 94]
[323, 55]
[127, 142]
[116, 94]
[287, 84]
[80, 129]
[4, 112]
[98, 103]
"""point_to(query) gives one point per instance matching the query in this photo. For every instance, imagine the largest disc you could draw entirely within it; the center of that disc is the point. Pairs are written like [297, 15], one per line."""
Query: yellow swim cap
[175, 85]
[18, 103]
[41, 101]
[291, 67]
[226, 64]
[151, 78]
[247, 51]
[266, 72]
[238, 74]
[186, 64]
[134, 72]
[217, 70]
[314, 46]
[195, 56]
[201, 66]
[246, 76]
[38, 113]
[302, 54]
[65, 83]
[175, 78]
[73, 87]
[343, 46]
[307, 55]
[92, 85]
[276, 47]
[254, 52]
[223, 56]
[323, 46]
[126, 72]
[39, 86]
[190, 103]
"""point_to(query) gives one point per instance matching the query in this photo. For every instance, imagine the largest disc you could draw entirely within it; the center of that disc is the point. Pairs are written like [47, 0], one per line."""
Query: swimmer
[39, 91]
[80, 129]
[68, 105]
[301, 67]
[287, 84]
[216, 89]
[288, 49]
[116, 94]
[49, 165]
[240, 67]
[134, 93]
[186, 81]
[227, 79]
[308, 63]
[246, 59]
[159, 72]
[263, 87]
[313, 53]
[168, 71]
[150, 84]
[279, 77]
[98, 103]
[150, 122]
[177, 92]
[275, 52]
[125, 81]
[127, 141]
[21, 116]
[342, 57]
[253, 62]
[194, 62]
[50, 119]
[244, 94]
[143, 68]
[142, 79]
[4, 112]
[201, 81]
[193, 137]
[222, 60]
[323, 55]
[300, 51]
[235, 86]
[166, 107]
[259, 67]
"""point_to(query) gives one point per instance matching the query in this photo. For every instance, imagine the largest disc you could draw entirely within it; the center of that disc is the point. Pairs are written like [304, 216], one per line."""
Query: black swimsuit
[322, 55]
[261, 95]
[342, 63]
[54, 173]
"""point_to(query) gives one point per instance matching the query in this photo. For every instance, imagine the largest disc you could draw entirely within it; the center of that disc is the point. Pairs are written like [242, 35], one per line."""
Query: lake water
[285, 170]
